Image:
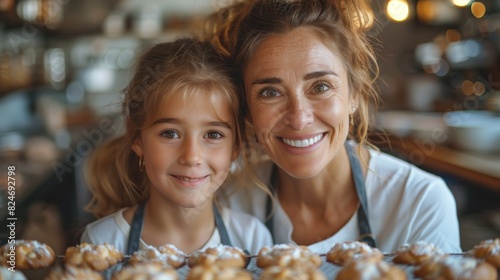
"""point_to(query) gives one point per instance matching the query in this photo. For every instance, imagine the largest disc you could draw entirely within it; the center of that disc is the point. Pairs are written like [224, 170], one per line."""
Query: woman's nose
[299, 114]
[191, 153]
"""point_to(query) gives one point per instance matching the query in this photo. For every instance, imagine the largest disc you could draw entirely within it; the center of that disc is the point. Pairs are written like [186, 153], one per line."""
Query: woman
[308, 73]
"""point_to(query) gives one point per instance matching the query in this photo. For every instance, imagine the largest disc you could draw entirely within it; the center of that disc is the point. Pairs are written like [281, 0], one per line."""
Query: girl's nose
[299, 114]
[191, 153]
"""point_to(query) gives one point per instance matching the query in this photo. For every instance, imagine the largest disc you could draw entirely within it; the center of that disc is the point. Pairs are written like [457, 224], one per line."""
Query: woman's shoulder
[393, 169]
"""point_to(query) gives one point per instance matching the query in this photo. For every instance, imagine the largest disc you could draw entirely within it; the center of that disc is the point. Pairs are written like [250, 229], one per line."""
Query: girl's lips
[190, 181]
[304, 142]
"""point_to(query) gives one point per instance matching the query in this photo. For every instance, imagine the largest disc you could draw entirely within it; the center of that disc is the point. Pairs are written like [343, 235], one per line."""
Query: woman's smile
[304, 142]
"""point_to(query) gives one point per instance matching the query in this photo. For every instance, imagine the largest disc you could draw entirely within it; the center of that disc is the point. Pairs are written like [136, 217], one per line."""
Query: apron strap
[221, 227]
[359, 181]
[269, 201]
[134, 236]
[136, 229]
[357, 173]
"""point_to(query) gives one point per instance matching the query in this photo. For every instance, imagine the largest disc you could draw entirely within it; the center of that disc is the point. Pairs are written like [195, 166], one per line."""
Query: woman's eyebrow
[318, 74]
[270, 80]
[309, 76]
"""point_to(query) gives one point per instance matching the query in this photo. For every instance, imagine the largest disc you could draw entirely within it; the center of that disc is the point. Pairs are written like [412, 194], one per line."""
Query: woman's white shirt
[405, 205]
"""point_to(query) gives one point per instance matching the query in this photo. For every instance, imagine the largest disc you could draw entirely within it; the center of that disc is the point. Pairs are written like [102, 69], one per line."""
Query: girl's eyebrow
[177, 121]
[309, 76]
[166, 120]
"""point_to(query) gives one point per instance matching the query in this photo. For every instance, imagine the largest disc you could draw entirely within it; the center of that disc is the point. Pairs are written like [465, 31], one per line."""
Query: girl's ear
[137, 147]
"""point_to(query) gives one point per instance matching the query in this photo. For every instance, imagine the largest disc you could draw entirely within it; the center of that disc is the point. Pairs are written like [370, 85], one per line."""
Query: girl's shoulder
[111, 229]
[245, 230]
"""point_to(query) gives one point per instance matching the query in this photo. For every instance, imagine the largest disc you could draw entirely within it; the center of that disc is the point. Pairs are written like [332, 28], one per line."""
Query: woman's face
[298, 96]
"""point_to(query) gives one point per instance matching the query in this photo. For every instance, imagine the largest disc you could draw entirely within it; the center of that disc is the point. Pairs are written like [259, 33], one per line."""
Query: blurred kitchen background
[63, 64]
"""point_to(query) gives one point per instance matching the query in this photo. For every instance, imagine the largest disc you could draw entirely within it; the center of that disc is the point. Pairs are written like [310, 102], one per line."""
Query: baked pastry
[211, 271]
[144, 270]
[221, 255]
[164, 254]
[417, 253]
[97, 257]
[449, 268]
[291, 273]
[287, 255]
[70, 272]
[370, 269]
[343, 252]
[27, 254]
[489, 250]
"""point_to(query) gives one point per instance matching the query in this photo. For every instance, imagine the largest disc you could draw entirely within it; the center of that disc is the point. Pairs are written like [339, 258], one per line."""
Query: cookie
[27, 254]
[221, 255]
[287, 255]
[96, 257]
[417, 253]
[344, 252]
[164, 254]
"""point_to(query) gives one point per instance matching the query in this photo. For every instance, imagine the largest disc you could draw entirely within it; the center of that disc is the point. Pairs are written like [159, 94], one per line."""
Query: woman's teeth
[303, 143]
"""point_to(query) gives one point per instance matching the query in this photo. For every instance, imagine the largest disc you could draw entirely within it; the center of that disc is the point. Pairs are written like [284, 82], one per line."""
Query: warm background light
[478, 9]
[398, 10]
[461, 3]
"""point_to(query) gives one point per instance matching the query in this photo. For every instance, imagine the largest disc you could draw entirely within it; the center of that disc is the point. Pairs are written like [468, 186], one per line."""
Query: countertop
[479, 169]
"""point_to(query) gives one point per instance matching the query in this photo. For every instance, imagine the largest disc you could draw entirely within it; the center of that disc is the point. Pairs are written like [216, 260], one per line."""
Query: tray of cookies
[345, 260]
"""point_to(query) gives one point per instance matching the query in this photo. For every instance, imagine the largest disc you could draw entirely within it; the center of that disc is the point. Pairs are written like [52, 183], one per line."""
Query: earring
[351, 116]
[141, 164]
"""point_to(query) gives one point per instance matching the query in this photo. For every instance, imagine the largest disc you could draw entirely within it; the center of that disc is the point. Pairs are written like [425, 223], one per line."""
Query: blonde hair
[187, 66]
[239, 28]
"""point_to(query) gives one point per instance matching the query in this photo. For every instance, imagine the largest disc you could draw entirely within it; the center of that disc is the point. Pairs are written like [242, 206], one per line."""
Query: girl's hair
[185, 66]
[238, 29]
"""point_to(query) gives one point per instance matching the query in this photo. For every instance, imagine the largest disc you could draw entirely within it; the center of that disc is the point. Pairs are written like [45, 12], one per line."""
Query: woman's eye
[321, 87]
[269, 92]
[171, 134]
[214, 135]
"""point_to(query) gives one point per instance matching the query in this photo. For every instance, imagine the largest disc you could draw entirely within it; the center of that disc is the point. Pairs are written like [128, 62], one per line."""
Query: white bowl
[475, 131]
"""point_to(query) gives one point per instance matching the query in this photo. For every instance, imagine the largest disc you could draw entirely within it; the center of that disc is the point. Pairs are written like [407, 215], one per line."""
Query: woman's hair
[238, 29]
[185, 66]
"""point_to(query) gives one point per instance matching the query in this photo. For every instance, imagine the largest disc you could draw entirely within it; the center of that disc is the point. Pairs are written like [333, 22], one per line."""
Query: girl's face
[298, 96]
[188, 149]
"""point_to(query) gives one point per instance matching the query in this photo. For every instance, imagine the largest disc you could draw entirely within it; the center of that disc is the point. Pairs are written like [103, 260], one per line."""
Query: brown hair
[238, 29]
[186, 66]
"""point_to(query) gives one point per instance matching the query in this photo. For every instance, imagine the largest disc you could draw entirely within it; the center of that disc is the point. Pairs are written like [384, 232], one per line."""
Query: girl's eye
[269, 92]
[214, 135]
[171, 134]
[321, 87]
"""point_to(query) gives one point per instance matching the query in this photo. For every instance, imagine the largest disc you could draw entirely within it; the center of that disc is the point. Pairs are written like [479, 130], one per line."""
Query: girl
[156, 183]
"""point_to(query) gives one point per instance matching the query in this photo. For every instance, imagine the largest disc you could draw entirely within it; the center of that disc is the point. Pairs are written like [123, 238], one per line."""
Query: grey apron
[136, 229]
[357, 174]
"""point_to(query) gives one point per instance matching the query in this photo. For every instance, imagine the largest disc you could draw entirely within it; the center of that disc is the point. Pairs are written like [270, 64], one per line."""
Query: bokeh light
[398, 10]
[478, 9]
